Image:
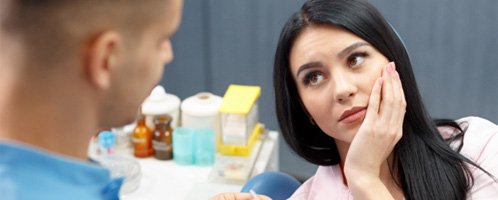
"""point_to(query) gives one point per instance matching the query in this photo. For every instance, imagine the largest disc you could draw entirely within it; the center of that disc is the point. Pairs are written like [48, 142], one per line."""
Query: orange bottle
[142, 139]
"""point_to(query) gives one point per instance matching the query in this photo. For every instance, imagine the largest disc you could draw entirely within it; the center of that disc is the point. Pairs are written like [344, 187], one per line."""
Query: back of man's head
[52, 28]
[97, 59]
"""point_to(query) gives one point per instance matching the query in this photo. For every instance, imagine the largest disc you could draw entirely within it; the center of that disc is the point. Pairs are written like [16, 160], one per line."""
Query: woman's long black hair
[426, 166]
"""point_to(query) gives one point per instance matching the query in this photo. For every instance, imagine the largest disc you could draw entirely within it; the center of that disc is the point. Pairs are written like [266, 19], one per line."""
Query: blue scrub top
[27, 173]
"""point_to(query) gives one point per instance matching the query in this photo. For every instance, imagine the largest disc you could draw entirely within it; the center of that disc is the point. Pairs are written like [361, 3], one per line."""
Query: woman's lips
[352, 115]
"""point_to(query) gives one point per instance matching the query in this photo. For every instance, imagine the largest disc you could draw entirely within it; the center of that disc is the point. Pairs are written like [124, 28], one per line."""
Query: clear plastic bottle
[142, 139]
[162, 139]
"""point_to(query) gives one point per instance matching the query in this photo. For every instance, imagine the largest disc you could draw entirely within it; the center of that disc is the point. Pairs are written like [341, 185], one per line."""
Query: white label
[138, 140]
[161, 146]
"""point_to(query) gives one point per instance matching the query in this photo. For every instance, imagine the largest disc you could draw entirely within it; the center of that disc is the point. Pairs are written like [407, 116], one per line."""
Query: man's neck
[56, 120]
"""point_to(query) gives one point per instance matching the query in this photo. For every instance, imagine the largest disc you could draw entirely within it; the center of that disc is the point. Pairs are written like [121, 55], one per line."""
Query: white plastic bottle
[159, 103]
[201, 111]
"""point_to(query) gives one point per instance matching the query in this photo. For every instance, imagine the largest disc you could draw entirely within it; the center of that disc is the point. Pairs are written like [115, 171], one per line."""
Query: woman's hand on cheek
[381, 129]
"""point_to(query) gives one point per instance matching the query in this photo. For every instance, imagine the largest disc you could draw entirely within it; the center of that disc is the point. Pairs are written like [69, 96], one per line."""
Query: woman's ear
[100, 58]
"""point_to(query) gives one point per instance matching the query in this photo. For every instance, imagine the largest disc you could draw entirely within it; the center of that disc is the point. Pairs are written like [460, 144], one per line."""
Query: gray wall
[453, 45]
[454, 50]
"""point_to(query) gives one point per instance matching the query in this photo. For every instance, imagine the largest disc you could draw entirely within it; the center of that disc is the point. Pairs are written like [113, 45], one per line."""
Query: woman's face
[334, 71]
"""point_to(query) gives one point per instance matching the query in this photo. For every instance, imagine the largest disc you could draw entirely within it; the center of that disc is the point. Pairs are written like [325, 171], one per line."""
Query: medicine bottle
[142, 139]
[162, 139]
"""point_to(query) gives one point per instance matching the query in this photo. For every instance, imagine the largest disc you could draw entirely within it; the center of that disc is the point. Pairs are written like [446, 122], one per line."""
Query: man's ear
[100, 58]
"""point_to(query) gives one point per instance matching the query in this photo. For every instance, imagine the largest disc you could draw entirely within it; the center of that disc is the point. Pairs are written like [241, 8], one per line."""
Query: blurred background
[453, 45]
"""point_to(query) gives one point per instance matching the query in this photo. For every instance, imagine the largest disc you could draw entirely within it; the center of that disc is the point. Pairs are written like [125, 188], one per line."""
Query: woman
[347, 101]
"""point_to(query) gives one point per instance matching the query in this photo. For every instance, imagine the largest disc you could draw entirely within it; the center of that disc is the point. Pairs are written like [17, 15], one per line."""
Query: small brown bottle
[162, 139]
[142, 139]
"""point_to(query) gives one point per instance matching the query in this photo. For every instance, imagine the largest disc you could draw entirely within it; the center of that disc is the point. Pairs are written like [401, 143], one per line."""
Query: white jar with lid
[159, 103]
[202, 111]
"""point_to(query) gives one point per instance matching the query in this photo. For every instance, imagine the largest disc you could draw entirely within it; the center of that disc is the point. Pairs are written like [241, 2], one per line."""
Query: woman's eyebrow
[350, 48]
[307, 66]
[341, 54]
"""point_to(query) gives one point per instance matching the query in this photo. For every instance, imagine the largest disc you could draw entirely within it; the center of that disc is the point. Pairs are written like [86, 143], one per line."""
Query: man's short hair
[52, 27]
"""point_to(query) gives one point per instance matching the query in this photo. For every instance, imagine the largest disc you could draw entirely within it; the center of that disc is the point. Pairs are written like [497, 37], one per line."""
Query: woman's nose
[344, 87]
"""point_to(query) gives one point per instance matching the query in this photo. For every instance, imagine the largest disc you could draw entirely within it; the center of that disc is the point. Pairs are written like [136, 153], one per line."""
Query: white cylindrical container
[202, 111]
[159, 103]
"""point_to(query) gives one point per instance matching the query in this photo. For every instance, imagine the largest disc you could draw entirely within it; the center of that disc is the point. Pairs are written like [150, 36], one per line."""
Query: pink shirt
[480, 145]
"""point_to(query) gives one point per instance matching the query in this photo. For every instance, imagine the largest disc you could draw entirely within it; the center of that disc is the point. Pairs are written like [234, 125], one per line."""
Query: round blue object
[107, 139]
[276, 185]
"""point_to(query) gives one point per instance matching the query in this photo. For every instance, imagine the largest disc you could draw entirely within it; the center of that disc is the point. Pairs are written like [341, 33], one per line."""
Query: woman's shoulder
[480, 144]
[327, 183]
[477, 131]
[480, 138]
[480, 133]
[478, 124]
[475, 126]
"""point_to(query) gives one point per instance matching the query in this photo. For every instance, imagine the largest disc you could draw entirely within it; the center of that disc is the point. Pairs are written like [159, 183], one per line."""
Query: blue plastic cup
[183, 145]
[204, 146]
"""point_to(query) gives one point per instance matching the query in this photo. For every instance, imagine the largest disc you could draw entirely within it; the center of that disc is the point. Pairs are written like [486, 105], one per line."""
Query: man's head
[112, 51]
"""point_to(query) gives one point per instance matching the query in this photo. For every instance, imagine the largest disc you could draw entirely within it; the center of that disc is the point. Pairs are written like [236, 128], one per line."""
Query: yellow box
[243, 150]
[239, 114]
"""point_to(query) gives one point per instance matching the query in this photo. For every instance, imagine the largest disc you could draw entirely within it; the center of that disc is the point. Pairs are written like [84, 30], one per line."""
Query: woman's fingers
[392, 106]
[374, 101]
[400, 102]
[386, 105]
[397, 100]
[403, 100]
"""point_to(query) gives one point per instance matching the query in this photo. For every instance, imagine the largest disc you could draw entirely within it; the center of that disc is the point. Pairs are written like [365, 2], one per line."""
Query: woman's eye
[356, 59]
[313, 78]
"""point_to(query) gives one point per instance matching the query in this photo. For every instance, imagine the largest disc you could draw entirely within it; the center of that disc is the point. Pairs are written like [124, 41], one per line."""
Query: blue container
[276, 185]
[204, 149]
[183, 145]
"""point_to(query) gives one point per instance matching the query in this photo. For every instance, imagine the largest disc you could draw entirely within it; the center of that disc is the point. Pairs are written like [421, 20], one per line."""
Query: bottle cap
[166, 119]
[159, 102]
[202, 104]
